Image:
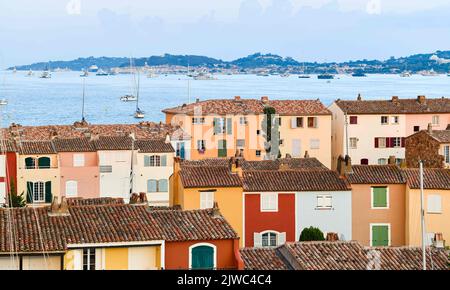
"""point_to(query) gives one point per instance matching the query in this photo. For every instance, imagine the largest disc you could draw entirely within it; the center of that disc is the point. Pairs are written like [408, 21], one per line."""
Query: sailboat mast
[137, 92]
[422, 217]
[82, 108]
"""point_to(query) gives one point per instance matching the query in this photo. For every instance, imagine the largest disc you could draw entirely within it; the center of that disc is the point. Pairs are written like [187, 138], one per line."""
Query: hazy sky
[331, 30]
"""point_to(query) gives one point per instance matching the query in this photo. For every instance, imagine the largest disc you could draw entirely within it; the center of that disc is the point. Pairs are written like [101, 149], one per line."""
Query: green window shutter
[44, 162]
[48, 192]
[29, 162]
[380, 236]
[163, 160]
[202, 257]
[380, 197]
[151, 185]
[222, 150]
[162, 185]
[229, 126]
[146, 161]
[29, 192]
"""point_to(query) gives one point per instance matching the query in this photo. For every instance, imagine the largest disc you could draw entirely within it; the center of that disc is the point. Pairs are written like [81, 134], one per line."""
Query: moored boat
[325, 76]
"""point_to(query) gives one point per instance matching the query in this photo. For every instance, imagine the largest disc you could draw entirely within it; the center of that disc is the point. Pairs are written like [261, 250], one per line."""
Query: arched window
[71, 188]
[269, 239]
[30, 163]
[44, 162]
[364, 161]
[203, 256]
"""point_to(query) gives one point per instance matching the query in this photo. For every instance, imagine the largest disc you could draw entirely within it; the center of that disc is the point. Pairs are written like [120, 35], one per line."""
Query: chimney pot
[264, 99]
[306, 154]
[215, 210]
[394, 99]
[430, 128]
[332, 237]
[391, 160]
[237, 98]
[359, 98]
[421, 99]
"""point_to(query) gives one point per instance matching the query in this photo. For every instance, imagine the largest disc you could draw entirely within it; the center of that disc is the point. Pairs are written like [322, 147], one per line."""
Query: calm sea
[35, 101]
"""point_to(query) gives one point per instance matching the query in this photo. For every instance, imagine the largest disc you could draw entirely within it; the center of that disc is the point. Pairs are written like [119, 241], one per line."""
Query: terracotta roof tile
[74, 145]
[288, 163]
[442, 136]
[35, 147]
[154, 146]
[434, 178]
[7, 146]
[294, 180]
[402, 106]
[78, 201]
[196, 176]
[113, 143]
[37, 231]
[262, 259]
[376, 174]
[251, 106]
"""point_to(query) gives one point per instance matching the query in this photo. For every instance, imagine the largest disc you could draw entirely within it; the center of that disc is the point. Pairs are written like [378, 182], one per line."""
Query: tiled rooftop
[398, 106]
[251, 106]
[154, 146]
[196, 176]
[376, 174]
[434, 178]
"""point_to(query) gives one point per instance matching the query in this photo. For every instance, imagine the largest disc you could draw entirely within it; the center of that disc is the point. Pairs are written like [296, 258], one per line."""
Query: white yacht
[204, 77]
[131, 97]
[429, 73]
[46, 75]
[3, 102]
[405, 74]
[101, 73]
[84, 74]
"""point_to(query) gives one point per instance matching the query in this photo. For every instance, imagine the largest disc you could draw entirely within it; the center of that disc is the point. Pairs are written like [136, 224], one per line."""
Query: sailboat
[139, 114]
[130, 97]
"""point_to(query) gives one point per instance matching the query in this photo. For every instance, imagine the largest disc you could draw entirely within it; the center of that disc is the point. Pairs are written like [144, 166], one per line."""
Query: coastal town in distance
[251, 166]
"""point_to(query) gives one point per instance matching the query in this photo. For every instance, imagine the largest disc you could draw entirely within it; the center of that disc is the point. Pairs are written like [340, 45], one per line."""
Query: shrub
[311, 234]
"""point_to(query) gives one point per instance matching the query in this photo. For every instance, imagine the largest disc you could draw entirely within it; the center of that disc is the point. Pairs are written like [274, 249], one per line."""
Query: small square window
[312, 122]
[258, 132]
[353, 120]
[299, 122]
[324, 202]
[243, 120]
[240, 142]
[416, 128]
[384, 120]
[395, 120]
[269, 202]
[258, 153]
[353, 143]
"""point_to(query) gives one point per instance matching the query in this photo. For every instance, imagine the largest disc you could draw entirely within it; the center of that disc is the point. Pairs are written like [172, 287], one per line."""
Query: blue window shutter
[229, 126]
[163, 160]
[216, 124]
[151, 185]
[146, 161]
[163, 185]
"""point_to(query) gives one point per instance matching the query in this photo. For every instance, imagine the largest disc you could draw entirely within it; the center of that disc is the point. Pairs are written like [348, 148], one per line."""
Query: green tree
[270, 130]
[14, 199]
[311, 234]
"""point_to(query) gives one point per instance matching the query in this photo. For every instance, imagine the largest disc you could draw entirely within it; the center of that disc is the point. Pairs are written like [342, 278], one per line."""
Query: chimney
[236, 166]
[288, 156]
[237, 98]
[421, 99]
[94, 137]
[359, 98]
[332, 237]
[143, 197]
[430, 128]
[59, 209]
[306, 154]
[264, 99]
[197, 100]
[167, 138]
[391, 160]
[395, 99]
[134, 199]
[215, 210]
[438, 241]
[348, 164]
[283, 167]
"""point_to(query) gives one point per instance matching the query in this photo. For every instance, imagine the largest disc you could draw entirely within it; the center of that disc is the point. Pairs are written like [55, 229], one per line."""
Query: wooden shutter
[162, 185]
[379, 197]
[146, 161]
[403, 142]
[48, 192]
[29, 192]
[229, 126]
[376, 143]
[44, 162]
[216, 125]
[293, 122]
[163, 160]
[257, 240]
[151, 185]
[281, 239]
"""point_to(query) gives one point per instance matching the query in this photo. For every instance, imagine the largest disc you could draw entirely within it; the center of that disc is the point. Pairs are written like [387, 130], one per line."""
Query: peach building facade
[219, 128]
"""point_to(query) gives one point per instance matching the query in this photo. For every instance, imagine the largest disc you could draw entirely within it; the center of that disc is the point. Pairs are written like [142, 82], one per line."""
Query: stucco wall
[86, 176]
[117, 183]
[337, 220]
[364, 215]
[423, 120]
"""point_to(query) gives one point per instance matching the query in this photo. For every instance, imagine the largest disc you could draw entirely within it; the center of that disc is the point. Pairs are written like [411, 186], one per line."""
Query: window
[206, 199]
[155, 161]
[163, 185]
[154, 185]
[240, 142]
[243, 120]
[397, 142]
[324, 202]
[258, 132]
[382, 161]
[71, 188]
[312, 122]
[384, 120]
[299, 122]
[353, 143]
[364, 161]
[353, 120]
[44, 163]
[78, 160]
[314, 144]
[258, 153]
[269, 202]
[380, 235]
[2, 165]
[395, 120]
[382, 143]
[89, 259]
[30, 163]
[434, 203]
[416, 128]
[435, 120]
[201, 145]
[269, 239]
[447, 154]
[198, 120]
[380, 197]
[202, 256]
[220, 125]
[279, 121]
[105, 168]
[38, 192]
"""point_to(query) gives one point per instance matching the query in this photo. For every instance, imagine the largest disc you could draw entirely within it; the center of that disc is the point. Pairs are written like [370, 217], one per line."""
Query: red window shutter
[376, 142]
[391, 142]
[403, 142]
[353, 120]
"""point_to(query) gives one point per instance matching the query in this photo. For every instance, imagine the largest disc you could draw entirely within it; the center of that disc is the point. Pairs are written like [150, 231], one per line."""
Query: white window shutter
[257, 240]
[281, 239]
[293, 122]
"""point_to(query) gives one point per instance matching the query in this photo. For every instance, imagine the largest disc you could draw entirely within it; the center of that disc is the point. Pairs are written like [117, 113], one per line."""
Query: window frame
[314, 122]
[199, 245]
[372, 197]
[355, 143]
[209, 199]
[264, 203]
[371, 225]
[353, 120]
[387, 120]
[198, 120]
[39, 200]
[72, 183]
[395, 120]
[78, 160]
[434, 211]
[89, 253]
[324, 196]
[447, 153]
[434, 118]
[269, 238]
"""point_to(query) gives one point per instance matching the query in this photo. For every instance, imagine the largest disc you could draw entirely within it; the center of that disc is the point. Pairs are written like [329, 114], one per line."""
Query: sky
[308, 30]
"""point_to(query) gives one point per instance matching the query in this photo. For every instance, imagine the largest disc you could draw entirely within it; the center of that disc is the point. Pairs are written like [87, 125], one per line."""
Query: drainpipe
[422, 217]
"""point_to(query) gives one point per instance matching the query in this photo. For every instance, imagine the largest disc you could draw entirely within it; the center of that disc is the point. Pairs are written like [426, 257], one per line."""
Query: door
[222, 148]
[180, 150]
[202, 257]
[380, 235]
